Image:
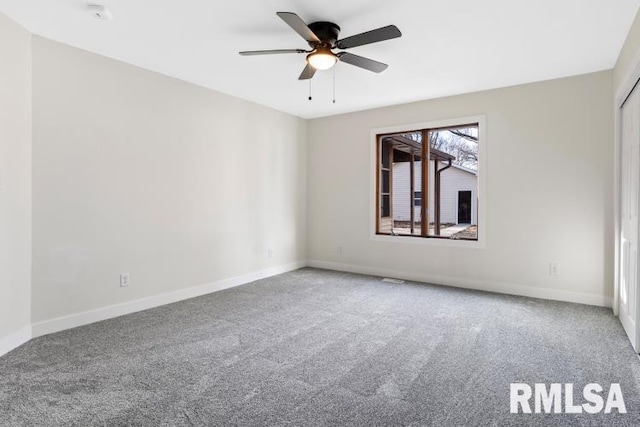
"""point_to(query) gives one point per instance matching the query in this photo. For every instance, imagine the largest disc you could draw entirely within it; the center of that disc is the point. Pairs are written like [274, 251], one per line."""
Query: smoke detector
[99, 11]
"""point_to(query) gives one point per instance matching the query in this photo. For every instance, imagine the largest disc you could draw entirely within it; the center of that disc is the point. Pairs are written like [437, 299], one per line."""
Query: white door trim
[622, 93]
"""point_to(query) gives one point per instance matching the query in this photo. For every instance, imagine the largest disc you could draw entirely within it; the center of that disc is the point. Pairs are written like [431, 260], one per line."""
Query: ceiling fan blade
[298, 26]
[362, 62]
[271, 52]
[373, 36]
[307, 73]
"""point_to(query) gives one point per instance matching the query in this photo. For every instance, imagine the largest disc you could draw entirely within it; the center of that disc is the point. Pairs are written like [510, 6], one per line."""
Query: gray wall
[15, 183]
[136, 172]
[549, 172]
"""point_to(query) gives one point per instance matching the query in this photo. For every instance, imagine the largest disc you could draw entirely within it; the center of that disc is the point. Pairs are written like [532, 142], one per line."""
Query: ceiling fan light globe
[322, 59]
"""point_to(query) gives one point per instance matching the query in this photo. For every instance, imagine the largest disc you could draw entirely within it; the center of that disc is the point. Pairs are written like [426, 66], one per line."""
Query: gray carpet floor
[315, 347]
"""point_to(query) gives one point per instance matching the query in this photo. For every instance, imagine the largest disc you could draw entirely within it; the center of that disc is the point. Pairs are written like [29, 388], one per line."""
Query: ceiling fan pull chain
[310, 98]
[334, 85]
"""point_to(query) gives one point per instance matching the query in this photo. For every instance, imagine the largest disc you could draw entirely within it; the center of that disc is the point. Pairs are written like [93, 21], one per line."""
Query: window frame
[482, 189]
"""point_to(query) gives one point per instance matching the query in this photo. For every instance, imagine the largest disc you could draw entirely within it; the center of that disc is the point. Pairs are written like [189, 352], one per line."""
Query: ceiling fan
[323, 39]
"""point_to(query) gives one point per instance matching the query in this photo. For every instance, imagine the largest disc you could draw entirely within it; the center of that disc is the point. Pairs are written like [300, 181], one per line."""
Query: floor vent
[390, 280]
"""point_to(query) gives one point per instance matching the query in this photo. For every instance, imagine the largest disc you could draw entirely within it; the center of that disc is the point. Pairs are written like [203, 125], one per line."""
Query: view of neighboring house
[458, 193]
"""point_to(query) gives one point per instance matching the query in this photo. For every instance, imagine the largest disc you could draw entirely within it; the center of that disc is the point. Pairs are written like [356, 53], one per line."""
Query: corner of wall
[628, 59]
[15, 184]
[14, 340]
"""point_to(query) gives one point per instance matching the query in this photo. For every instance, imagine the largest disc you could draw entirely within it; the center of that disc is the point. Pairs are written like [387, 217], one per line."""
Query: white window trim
[482, 187]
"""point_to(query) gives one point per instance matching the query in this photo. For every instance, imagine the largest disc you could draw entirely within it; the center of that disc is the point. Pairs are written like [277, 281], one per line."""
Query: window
[417, 198]
[427, 182]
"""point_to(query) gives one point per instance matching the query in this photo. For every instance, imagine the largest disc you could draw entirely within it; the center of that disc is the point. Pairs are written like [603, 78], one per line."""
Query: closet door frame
[622, 93]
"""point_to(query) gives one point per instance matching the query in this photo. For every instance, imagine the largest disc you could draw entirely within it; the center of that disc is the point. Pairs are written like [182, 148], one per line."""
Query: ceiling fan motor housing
[327, 32]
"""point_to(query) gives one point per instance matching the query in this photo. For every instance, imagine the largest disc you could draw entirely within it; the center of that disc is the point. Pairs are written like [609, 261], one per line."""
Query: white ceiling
[448, 46]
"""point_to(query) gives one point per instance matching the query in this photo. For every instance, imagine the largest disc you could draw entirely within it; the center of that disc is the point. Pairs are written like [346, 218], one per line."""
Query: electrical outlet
[269, 253]
[553, 269]
[124, 280]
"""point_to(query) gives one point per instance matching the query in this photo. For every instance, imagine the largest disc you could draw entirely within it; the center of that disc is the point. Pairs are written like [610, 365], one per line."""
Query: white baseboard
[20, 337]
[503, 288]
[103, 313]
[15, 339]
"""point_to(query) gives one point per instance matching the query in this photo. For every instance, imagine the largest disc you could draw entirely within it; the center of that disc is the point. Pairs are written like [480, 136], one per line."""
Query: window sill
[425, 241]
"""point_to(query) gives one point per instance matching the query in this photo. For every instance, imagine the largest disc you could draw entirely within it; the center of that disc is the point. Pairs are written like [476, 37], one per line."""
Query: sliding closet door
[630, 159]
